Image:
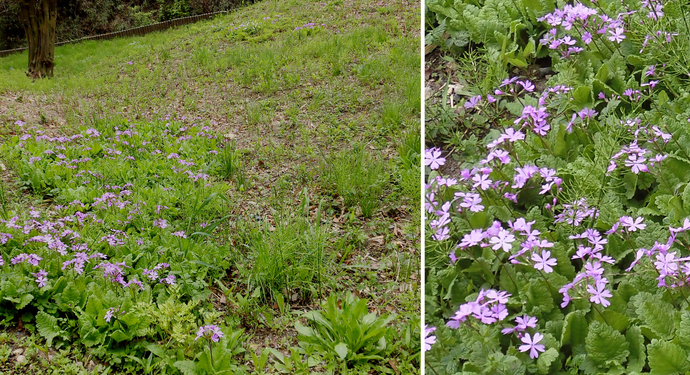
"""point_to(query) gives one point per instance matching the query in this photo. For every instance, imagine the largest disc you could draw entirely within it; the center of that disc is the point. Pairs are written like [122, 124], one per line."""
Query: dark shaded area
[81, 18]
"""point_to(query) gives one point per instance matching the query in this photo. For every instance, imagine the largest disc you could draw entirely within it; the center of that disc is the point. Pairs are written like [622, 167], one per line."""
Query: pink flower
[531, 345]
[433, 159]
[471, 239]
[428, 339]
[599, 293]
[213, 329]
[504, 240]
[544, 262]
[627, 222]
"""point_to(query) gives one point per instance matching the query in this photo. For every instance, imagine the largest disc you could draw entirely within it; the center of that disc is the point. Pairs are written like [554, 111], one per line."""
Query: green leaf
[616, 320]
[21, 302]
[658, 315]
[120, 336]
[604, 344]
[48, 327]
[636, 360]
[686, 197]
[545, 360]
[582, 95]
[529, 48]
[603, 73]
[518, 61]
[341, 349]
[575, 331]
[186, 367]
[71, 295]
[666, 358]
[683, 332]
[662, 97]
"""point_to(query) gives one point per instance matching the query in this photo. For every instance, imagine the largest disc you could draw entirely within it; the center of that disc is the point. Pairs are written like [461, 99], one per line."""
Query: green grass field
[264, 165]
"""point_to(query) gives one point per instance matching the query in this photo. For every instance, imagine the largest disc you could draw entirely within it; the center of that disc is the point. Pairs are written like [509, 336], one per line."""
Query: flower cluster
[215, 332]
[489, 307]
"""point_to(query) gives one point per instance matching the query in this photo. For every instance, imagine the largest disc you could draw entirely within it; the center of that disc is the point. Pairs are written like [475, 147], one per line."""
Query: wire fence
[137, 31]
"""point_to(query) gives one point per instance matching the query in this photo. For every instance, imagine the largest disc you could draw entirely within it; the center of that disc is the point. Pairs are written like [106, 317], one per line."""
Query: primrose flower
[428, 340]
[471, 239]
[617, 35]
[109, 314]
[213, 329]
[41, 279]
[628, 223]
[32, 259]
[636, 163]
[433, 159]
[160, 223]
[504, 240]
[599, 294]
[472, 102]
[531, 344]
[170, 280]
[523, 322]
[544, 262]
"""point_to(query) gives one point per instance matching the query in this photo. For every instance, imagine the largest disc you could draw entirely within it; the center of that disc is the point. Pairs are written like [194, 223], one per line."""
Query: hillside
[239, 175]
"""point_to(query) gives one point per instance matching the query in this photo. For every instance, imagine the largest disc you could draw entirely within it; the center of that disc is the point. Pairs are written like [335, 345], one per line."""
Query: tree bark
[38, 20]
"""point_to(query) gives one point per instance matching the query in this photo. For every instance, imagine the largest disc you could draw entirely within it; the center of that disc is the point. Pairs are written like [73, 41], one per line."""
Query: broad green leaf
[48, 327]
[662, 97]
[120, 336]
[604, 344]
[575, 331]
[686, 197]
[658, 315]
[545, 359]
[186, 367]
[71, 295]
[636, 360]
[683, 333]
[341, 349]
[603, 73]
[666, 358]
[582, 95]
[616, 320]
[529, 48]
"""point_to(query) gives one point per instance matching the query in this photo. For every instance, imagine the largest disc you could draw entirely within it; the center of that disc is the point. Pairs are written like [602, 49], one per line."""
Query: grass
[313, 191]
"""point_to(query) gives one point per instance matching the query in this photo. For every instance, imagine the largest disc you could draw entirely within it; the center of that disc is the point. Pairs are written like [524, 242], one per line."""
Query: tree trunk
[38, 19]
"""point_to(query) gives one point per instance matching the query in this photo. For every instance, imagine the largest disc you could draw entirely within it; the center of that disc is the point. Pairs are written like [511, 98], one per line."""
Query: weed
[357, 177]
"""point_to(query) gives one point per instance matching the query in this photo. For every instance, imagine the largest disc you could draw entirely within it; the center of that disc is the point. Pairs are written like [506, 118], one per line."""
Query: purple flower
[428, 340]
[109, 314]
[632, 226]
[504, 240]
[527, 85]
[586, 37]
[473, 101]
[433, 159]
[213, 329]
[471, 239]
[666, 263]
[170, 280]
[41, 279]
[472, 201]
[160, 223]
[531, 345]
[179, 234]
[617, 35]
[599, 294]
[32, 259]
[636, 163]
[523, 322]
[544, 262]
